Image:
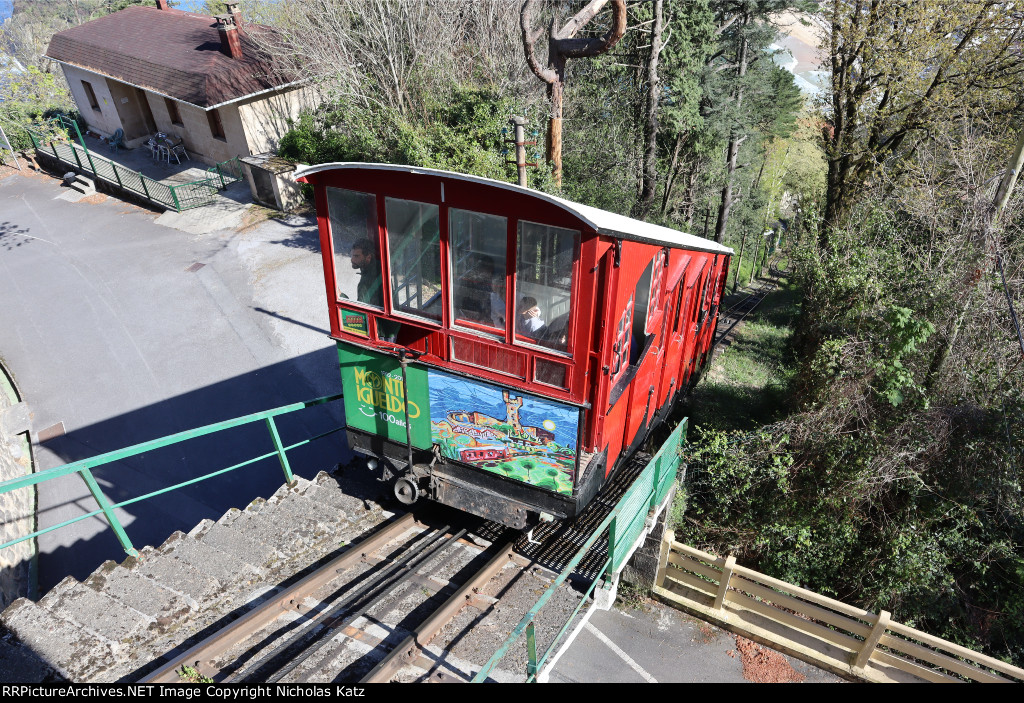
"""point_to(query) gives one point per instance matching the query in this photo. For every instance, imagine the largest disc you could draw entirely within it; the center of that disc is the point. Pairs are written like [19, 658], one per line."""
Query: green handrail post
[531, 652]
[113, 167]
[145, 190]
[613, 537]
[272, 426]
[221, 176]
[108, 510]
[174, 197]
[77, 158]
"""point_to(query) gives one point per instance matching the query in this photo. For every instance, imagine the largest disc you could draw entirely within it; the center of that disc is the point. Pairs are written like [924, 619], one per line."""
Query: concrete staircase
[124, 616]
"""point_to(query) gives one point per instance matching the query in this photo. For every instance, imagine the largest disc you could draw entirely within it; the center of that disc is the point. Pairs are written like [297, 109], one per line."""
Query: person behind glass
[497, 300]
[529, 322]
[364, 259]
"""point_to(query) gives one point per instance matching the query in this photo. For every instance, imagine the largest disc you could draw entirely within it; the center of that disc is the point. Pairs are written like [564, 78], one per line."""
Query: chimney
[162, 5]
[230, 44]
[232, 8]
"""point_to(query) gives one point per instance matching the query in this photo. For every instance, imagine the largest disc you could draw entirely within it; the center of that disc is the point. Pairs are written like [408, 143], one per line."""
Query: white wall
[105, 120]
[265, 118]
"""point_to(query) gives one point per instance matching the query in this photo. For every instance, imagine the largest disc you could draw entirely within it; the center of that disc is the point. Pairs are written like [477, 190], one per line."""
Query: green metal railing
[622, 526]
[58, 139]
[227, 172]
[84, 467]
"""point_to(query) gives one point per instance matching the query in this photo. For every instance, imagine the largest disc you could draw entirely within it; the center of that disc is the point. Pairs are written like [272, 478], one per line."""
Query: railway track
[412, 575]
[738, 312]
[428, 596]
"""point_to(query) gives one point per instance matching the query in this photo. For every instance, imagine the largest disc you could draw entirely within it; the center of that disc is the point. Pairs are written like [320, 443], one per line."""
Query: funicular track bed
[729, 320]
[371, 613]
[428, 596]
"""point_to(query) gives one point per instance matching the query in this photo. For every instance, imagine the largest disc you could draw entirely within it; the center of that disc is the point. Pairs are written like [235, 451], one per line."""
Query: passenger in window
[530, 322]
[498, 302]
[370, 289]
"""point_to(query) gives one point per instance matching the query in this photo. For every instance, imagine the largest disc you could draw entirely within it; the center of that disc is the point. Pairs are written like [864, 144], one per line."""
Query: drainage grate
[195, 267]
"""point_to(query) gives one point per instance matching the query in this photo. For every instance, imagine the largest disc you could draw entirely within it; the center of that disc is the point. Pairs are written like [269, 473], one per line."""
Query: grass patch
[747, 385]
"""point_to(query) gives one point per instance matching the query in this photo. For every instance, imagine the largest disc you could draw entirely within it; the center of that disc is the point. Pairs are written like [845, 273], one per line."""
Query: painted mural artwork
[509, 433]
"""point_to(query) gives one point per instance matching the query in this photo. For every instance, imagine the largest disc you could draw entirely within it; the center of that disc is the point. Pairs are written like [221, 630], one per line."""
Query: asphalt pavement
[119, 330]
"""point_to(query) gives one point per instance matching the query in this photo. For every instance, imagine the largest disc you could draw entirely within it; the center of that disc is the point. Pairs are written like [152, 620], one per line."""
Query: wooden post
[519, 133]
[723, 586]
[666, 547]
[872, 640]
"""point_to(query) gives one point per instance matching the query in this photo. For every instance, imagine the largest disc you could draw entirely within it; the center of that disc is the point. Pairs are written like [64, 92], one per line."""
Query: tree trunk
[734, 145]
[673, 172]
[649, 176]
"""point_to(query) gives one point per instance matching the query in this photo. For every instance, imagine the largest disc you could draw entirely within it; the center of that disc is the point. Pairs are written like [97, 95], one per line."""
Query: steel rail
[326, 617]
[369, 600]
[200, 655]
[411, 646]
[759, 293]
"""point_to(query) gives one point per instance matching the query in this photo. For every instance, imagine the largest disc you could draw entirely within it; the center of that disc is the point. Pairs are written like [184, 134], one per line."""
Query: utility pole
[518, 124]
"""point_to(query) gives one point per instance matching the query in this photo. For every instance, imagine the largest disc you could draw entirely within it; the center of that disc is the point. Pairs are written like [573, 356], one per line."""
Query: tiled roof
[169, 52]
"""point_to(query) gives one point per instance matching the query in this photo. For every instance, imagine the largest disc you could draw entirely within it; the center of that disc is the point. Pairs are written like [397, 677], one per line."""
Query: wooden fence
[839, 637]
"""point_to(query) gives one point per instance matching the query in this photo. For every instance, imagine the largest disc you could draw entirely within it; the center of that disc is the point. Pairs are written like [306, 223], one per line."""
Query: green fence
[227, 172]
[57, 139]
[84, 467]
[621, 528]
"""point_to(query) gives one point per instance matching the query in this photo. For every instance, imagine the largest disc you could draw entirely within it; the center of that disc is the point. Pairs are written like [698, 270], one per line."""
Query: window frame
[469, 326]
[173, 113]
[90, 95]
[358, 304]
[444, 321]
[522, 340]
[216, 124]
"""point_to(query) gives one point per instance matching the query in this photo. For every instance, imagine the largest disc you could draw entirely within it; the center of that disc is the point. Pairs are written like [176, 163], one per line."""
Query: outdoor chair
[117, 141]
[177, 150]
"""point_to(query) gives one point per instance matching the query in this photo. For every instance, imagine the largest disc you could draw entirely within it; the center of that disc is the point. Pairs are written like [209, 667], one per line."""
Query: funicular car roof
[602, 221]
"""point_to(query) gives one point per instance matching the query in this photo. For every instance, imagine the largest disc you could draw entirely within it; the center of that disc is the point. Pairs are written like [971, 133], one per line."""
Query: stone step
[179, 577]
[70, 650]
[124, 617]
[242, 546]
[21, 665]
[144, 595]
[207, 560]
[97, 613]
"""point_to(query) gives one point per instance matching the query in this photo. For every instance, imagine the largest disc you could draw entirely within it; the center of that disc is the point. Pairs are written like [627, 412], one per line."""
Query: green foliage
[462, 132]
[189, 674]
[30, 97]
[905, 332]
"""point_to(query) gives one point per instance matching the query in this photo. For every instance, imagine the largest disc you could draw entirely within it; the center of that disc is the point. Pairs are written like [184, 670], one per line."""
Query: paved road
[124, 330]
[653, 643]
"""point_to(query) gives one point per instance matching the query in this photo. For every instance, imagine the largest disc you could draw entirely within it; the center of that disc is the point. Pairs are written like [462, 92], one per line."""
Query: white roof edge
[602, 221]
[154, 91]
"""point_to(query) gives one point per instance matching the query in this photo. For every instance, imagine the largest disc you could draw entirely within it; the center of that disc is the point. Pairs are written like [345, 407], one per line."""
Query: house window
[216, 126]
[91, 95]
[172, 110]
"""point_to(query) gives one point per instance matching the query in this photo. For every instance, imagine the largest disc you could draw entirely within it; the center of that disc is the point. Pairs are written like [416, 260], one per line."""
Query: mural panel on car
[507, 432]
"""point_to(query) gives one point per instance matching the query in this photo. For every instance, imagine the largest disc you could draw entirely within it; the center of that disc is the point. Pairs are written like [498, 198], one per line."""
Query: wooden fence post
[666, 546]
[723, 585]
[869, 644]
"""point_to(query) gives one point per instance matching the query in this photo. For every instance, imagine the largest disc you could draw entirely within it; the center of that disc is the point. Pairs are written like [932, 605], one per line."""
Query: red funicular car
[502, 350]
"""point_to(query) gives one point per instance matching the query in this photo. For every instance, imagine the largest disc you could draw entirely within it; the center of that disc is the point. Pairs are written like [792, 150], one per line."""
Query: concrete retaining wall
[18, 508]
